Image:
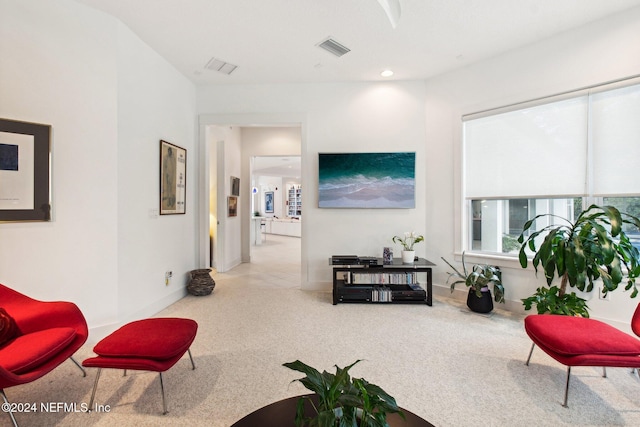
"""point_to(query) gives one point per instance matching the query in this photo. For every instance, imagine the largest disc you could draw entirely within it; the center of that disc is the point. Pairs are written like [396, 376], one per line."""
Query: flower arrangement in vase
[407, 241]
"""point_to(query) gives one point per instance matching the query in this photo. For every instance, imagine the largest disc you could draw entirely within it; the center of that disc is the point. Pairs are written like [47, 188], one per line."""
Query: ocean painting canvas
[367, 180]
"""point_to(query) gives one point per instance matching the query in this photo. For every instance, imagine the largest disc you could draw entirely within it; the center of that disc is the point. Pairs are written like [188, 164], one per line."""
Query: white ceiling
[278, 166]
[274, 41]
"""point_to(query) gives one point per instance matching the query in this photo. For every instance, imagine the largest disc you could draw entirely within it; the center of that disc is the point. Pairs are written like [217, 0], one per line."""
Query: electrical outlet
[606, 297]
[167, 277]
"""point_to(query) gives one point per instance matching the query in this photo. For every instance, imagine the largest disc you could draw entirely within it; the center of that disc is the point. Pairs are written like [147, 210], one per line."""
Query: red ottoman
[144, 345]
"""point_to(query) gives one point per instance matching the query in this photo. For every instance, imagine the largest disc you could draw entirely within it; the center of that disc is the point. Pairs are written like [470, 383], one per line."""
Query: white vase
[408, 256]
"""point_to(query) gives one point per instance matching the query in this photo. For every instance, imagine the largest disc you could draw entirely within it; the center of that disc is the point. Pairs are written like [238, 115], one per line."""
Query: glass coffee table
[283, 412]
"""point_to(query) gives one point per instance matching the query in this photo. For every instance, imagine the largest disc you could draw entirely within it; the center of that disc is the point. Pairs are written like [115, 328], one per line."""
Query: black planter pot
[484, 304]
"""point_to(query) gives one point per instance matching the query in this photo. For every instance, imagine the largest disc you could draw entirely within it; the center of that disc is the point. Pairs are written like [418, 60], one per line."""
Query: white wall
[109, 99]
[597, 53]
[228, 242]
[155, 102]
[58, 67]
[232, 167]
[349, 117]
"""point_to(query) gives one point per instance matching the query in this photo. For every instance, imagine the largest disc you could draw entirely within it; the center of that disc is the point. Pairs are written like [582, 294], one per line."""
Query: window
[496, 224]
[554, 157]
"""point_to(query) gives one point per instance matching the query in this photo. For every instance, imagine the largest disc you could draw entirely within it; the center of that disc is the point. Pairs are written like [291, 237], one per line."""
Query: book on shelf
[403, 278]
[381, 294]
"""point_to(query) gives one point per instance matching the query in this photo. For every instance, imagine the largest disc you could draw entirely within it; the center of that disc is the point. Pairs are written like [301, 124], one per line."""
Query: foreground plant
[342, 401]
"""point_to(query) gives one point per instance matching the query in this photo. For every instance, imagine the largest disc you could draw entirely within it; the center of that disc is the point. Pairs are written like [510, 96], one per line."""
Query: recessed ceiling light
[386, 73]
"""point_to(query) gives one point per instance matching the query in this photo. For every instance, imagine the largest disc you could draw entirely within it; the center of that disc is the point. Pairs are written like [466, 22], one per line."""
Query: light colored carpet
[444, 363]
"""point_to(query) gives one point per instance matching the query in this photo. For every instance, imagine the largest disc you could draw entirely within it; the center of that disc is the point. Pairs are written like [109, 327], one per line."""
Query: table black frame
[421, 265]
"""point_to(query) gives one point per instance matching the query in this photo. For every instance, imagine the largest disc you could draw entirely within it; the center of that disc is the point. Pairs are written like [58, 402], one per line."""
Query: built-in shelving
[294, 201]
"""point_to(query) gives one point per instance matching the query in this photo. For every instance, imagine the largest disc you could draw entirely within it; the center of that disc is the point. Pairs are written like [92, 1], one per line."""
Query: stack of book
[381, 294]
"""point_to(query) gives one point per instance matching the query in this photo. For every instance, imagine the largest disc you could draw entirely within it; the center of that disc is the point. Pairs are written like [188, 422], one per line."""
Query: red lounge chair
[579, 341]
[48, 333]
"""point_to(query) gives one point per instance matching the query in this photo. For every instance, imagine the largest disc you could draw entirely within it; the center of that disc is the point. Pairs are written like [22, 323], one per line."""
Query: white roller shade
[533, 152]
[616, 141]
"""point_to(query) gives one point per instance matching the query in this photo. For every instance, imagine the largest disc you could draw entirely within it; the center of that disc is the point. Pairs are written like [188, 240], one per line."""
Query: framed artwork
[24, 171]
[268, 202]
[173, 178]
[235, 186]
[367, 180]
[232, 206]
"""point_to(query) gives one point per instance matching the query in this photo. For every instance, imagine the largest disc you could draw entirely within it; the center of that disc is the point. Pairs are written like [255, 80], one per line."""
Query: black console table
[365, 279]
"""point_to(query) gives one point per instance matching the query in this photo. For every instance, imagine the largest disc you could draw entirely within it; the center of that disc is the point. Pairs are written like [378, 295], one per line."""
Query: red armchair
[579, 341]
[45, 334]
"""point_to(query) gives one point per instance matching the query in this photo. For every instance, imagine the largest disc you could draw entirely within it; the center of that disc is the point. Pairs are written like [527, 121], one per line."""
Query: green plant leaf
[522, 256]
[616, 271]
[498, 291]
[615, 219]
[570, 263]
[549, 269]
[313, 380]
[300, 419]
[326, 418]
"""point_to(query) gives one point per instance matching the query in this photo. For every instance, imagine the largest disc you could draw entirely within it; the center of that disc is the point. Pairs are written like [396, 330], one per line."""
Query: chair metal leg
[95, 386]
[530, 353]
[566, 389]
[84, 373]
[164, 402]
[604, 372]
[193, 365]
[13, 419]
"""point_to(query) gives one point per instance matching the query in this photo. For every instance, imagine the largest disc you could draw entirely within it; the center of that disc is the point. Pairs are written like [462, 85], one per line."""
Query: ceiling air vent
[330, 45]
[216, 64]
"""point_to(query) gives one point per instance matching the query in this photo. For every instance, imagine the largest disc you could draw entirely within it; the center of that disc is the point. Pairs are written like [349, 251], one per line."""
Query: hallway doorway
[235, 146]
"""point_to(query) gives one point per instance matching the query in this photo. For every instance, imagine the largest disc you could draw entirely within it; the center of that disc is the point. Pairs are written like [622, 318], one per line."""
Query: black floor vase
[484, 304]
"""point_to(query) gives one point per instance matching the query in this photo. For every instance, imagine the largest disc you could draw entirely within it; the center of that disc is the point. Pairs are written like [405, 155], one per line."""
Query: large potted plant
[342, 400]
[593, 247]
[478, 281]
